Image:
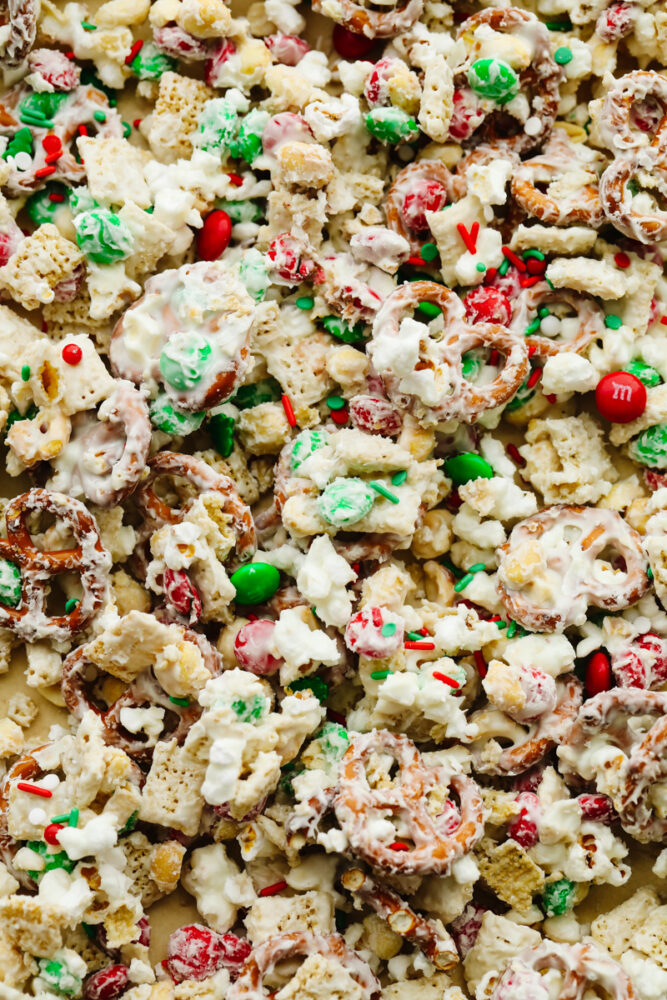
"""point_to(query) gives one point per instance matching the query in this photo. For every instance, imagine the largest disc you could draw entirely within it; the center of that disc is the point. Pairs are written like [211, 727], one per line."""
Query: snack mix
[333, 556]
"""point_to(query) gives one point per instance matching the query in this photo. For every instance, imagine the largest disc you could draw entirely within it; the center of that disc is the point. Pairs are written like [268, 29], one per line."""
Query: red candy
[54, 67]
[620, 397]
[195, 952]
[466, 927]
[251, 648]
[523, 828]
[72, 354]
[655, 480]
[351, 46]
[425, 196]
[364, 633]
[107, 984]
[285, 127]
[536, 266]
[597, 807]
[235, 950]
[284, 255]
[376, 90]
[51, 833]
[225, 49]
[598, 674]
[180, 44]
[642, 664]
[466, 115]
[182, 594]
[375, 415]
[214, 236]
[615, 22]
[488, 305]
[288, 49]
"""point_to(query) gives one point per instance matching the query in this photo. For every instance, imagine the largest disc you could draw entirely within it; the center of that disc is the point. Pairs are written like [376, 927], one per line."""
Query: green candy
[334, 740]
[558, 897]
[650, 448]
[462, 468]
[267, 390]
[10, 583]
[521, 397]
[306, 443]
[184, 360]
[471, 366]
[21, 142]
[59, 976]
[130, 824]
[221, 428]
[250, 711]
[429, 309]
[493, 78]
[645, 373]
[15, 416]
[218, 124]
[167, 418]
[392, 125]
[242, 211]
[345, 501]
[247, 144]
[339, 329]
[39, 206]
[254, 274]
[81, 200]
[51, 861]
[42, 104]
[255, 583]
[315, 684]
[150, 63]
[103, 236]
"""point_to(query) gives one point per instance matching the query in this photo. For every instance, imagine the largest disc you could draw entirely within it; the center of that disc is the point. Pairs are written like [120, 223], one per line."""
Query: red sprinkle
[419, 645]
[445, 679]
[480, 662]
[45, 171]
[340, 417]
[415, 261]
[72, 354]
[551, 398]
[513, 453]
[235, 179]
[53, 157]
[51, 833]
[82, 130]
[137, 122]
[398, 845]
[493, 357]
[423, 631]
[622, 260]
[376, 615]
[25, 786]
[490, 275]
[54, 196]
[663, 320]
[272, 890]
[531, 350]
[289, 412]
[336, 717]
[513, 259]
[70, 55]
[527, 282]
[535, 377]
[469, 238]
[134, 51]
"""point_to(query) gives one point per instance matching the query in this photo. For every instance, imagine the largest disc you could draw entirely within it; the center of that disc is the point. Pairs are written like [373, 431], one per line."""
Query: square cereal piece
[32, 925]
[11, 739]
[425, 988]
[41, 262]
[172, 793]
[45, 665]
[176, 115]
[115, 170]
[138, 852]
[651, 938]
[311, 911]
[614, 930]
[22, 709]
[510, 873]
[72, 387]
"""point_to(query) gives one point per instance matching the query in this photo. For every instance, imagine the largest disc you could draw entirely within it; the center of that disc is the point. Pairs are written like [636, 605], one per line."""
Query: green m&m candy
[345, 501]
[10, 583]
[334, 740]
[247, 144]
[339, 329]
[495, 79]
[392, 125]
[318, 687]
[57, 974]
[167, 418]
[41, 208]
[471, 366]
[306, 443]
[558, 897]
[267, 390]
[150, 62]
[254, 274]
[645, 373]
[103, 236]
[221, 428]
[255, 583]
[650, 448]
[242, 211]
[218, 124]
[184, 360]
[462, 468]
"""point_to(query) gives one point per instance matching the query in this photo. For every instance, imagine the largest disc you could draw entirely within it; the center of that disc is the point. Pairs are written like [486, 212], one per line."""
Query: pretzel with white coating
[571, 195]
[585, 326]
[444, 394]
[425, 185]
[265, 957]
[549, 573]
[23, 16]
[581, 966]
[89, 559]
[394, 18]
[438, 840]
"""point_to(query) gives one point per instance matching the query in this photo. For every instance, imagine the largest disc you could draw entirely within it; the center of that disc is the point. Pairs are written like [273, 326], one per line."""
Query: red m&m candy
[213, 237]
[351, 46]
[598, 674]
[620, 397]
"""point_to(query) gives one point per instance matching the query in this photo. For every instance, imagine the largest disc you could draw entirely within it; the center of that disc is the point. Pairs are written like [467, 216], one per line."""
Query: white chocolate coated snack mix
[333, 520]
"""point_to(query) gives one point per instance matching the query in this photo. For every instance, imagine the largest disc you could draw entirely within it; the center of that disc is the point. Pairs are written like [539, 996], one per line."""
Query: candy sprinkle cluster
[333, 556]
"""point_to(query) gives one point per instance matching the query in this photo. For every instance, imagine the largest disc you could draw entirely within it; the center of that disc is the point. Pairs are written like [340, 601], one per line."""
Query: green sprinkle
[73, 817]
[34, 120]
[649, 573]
[131, 823]
[335, 402]
[87, 26]
[60, 819]
[477, 567]
[429, 309]
[480, 267]
[127, 129]
[559, 25]
[543, 312]
[383, 491]
[388, 629]
[511, 630]
[463, 582]
[415, 637]
[501, 625]
[399, 477]
[183, 702]
[612, 321]
[504, 267]
[99, 116]
[71, 604]
[305, 302]
[25, 373]
[428, 252]
[532, 252]
[532, 327]
[563, 56]
[379, 675]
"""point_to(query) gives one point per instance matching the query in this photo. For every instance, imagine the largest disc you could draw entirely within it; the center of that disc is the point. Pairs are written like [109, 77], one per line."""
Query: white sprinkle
[23, 161]
[50, 781]
[550, 326]
[37, 816]
[533, 126]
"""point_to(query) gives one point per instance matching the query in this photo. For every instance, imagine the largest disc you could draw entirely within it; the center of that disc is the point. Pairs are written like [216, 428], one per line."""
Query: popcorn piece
[567, 460]
[264, 429]
[33, 926]
[498, 942]
[22, 710]
[304, 164]
[41, 262]
[568, 372]
[220, 888]
[11, 739]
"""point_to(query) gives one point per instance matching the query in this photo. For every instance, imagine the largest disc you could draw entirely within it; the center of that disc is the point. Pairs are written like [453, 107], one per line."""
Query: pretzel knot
[581, 965]
[415, 180]
[395, 17]
[558, 562]
[638, 769]
[434, 841]
[89, 559]
[423, 372]
[205, 480]
[265, 957]
[586, 325]
[568, 170]
[22, 27]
